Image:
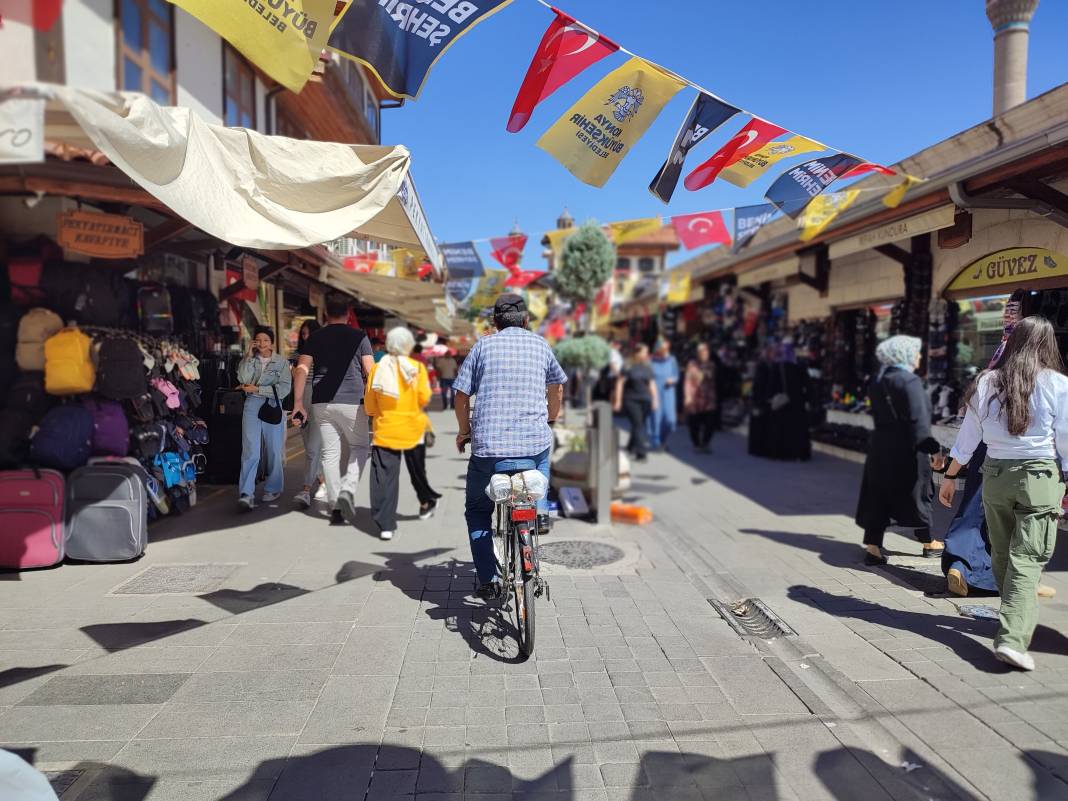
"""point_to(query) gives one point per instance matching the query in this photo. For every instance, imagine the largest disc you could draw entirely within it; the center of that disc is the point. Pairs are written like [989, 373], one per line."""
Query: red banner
[46, 13]
[360, 263]
[866, 167]
[748, 140]
[508, 251]
[567, 48]
[706, 228]
[523, 279]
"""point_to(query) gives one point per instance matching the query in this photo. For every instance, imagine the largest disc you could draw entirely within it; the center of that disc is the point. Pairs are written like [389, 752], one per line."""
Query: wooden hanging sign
[105, 236]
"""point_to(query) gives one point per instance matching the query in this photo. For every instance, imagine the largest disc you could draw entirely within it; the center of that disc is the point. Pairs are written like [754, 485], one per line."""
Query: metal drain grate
[578, 554]
[176, 579]
[751, 618]
[61, 780]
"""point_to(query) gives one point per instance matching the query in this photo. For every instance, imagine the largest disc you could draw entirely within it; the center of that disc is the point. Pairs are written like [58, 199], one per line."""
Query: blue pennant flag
[794, 189]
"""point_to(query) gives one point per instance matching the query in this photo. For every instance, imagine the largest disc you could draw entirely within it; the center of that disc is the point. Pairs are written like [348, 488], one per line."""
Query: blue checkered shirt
[509, 372]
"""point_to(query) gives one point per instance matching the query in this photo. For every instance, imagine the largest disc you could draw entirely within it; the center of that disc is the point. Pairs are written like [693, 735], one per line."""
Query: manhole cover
[578, 554]
[176, 580]
[61, 780]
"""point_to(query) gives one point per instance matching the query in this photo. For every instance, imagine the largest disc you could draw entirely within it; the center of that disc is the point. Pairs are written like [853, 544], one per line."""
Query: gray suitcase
[107, 512]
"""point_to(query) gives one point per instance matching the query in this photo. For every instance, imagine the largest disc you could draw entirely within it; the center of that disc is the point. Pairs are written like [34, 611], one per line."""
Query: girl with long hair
[1020, 410]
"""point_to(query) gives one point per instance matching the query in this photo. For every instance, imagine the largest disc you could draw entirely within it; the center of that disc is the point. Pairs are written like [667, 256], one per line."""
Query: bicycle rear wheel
[523, 589]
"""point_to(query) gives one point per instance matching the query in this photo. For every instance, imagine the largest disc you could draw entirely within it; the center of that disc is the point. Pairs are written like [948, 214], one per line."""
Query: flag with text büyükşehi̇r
[597, 132]
[284, 38]
[567, 48]
[508, 251]
[704, 228]
[752, 137]
[401, 41]
[822, 210]
[748, 220]
[629, 230]
[706, 114]
[746, 170]
[893, 198]
[794, 189]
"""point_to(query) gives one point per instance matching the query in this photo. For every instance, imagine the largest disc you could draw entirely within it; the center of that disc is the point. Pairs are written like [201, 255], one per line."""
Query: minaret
[1011, 20]
[565, 220]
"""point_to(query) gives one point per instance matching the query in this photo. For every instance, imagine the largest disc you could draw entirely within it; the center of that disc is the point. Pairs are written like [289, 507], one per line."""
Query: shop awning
[933, 220]
[787, 268]
[420, 304]
[243, 187]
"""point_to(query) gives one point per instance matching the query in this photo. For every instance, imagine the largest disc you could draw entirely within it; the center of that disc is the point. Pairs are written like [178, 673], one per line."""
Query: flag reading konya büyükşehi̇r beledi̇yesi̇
[594, 135]
[401, 41]
[567, 48]
[822, 210]
[284, 38]
[794, 189]
[706, 114]
[752, 137]
[746, 170]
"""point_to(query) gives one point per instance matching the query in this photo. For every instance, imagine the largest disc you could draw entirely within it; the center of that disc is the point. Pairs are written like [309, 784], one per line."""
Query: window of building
[239, 90]
[647, 264]
[146, 48]
[623, 264]
[370, 111]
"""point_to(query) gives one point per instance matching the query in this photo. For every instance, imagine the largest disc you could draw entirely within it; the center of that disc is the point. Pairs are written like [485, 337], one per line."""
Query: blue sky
[880, 79]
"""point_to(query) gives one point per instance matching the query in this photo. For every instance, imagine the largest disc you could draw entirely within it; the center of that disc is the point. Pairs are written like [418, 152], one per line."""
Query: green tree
[587, 261]
[589, 352]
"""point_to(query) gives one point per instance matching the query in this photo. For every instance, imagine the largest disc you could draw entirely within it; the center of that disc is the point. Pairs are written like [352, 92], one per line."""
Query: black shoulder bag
[271, 415]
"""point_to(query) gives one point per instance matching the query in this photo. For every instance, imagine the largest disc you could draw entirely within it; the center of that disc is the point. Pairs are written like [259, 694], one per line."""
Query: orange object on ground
[628, 513]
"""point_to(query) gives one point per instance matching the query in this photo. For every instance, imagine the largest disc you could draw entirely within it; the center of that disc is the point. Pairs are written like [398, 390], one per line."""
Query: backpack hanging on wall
[154, 309]
[111, 430]
[120, 372]
[68, 365]
[64, 440]
[35, 327]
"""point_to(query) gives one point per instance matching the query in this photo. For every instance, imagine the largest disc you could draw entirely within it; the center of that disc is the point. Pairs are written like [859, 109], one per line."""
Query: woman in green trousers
[1020, 410]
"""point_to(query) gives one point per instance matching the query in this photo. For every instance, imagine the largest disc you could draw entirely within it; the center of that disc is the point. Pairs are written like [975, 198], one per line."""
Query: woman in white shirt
[1020, 410]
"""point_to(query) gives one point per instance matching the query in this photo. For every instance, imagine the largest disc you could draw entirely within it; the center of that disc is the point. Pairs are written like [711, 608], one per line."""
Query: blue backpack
[178, 469]
[64, 440]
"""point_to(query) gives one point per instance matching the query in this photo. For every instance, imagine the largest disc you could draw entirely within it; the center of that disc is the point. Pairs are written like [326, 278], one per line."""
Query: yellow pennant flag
[538, 304]
[387, 268]
[894, 197]
[676, 287]
[628, 230]
[556, 242]
[822, 210]
[405, 264]
[594, 135]
[490, 287]
[282, 37]
[748, 169]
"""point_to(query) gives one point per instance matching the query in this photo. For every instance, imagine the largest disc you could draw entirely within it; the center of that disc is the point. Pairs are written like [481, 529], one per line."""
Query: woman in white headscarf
[897, 472]
[398, 390]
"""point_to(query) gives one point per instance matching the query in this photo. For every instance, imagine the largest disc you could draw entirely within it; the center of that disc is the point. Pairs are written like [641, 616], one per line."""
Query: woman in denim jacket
[262, 374]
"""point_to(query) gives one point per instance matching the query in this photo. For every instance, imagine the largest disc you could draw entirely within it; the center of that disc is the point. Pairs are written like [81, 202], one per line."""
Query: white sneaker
[245, 503]
[1023, 661]
[385, 535]
[270, 497]
[303, 498]
[320, 494]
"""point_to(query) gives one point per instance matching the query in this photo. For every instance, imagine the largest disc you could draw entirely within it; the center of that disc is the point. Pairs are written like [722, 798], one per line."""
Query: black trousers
[875, 536]
[385, 482]
[702, 426]
[637, 412]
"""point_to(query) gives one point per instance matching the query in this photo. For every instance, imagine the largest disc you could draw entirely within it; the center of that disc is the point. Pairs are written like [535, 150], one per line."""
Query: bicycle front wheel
[523, 588]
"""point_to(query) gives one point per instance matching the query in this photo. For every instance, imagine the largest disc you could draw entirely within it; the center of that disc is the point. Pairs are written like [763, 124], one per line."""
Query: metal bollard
[604, 461]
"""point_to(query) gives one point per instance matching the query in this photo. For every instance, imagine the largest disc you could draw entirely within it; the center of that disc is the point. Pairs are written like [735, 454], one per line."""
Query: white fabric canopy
[414, 301]
[251, 190]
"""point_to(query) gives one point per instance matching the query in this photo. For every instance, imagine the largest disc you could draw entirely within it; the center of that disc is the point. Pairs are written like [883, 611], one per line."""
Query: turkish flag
[748, 140]
[705, 228]
[523, 279]
[360, 263]
[567, 48]
[508, 251]
[866, 167]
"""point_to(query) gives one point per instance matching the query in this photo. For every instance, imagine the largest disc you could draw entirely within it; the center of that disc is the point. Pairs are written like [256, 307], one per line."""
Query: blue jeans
[479, 508]
[252, 431]
[448, 397]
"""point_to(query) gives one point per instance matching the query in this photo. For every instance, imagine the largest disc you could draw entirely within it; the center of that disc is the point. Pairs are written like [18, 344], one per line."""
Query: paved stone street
[271, 656]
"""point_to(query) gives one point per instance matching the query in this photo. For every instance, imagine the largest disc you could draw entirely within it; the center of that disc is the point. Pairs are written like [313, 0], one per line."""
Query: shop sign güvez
[1011, 266]
[105, 236]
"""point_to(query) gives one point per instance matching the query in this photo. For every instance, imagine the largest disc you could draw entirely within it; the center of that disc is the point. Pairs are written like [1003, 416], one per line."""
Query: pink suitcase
[31, 518]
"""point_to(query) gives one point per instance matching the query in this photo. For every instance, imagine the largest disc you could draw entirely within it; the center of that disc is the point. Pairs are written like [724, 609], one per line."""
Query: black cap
[509, 303]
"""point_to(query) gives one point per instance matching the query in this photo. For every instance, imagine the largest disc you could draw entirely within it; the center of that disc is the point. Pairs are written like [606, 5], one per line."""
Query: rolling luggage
[31, 518]
[107, 512]
[224, 445]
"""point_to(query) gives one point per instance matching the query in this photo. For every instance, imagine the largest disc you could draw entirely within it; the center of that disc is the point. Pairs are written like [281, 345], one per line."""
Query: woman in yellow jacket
[398, 390]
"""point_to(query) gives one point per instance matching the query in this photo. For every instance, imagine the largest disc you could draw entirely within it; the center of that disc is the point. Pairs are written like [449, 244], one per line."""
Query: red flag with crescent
[866, 167]
[705, 228]
[508, 251]
[522, 279]
[360, 263]
[748, 140]
[567, 48]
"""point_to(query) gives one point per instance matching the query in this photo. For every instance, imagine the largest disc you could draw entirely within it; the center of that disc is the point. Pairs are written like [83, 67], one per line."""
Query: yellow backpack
[68, 365]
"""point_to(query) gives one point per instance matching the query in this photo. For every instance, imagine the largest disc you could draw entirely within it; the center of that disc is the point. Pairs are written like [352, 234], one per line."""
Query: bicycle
[516, 488]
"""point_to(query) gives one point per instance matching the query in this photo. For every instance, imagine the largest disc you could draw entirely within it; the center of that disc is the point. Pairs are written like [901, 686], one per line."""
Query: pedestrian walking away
[896, 487]
[398, 390]
[1020, 410]
[337, 357]
[636, 397]
[518, 386]
[664, 418]
[266, 380]
[447, 368]
[313, 441]
[699, 398]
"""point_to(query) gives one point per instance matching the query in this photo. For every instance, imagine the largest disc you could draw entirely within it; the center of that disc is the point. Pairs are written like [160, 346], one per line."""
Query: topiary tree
[587, 261]
[583, 353]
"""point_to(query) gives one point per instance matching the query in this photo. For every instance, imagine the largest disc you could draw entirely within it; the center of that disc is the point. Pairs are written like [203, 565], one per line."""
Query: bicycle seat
[510, 467]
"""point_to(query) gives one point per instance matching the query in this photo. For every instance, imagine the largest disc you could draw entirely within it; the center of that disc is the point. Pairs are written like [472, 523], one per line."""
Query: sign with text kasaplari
[1010, 267]
[21, 130]
[105, 236]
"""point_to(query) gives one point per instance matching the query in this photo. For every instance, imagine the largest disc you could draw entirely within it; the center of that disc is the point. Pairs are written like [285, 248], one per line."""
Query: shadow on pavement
[19, 674]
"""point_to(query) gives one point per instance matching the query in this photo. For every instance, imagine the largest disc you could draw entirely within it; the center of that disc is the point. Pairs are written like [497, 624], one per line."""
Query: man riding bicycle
[519, 386]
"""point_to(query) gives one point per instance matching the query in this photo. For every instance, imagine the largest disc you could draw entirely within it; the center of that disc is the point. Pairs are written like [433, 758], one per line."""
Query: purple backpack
[111, 431]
